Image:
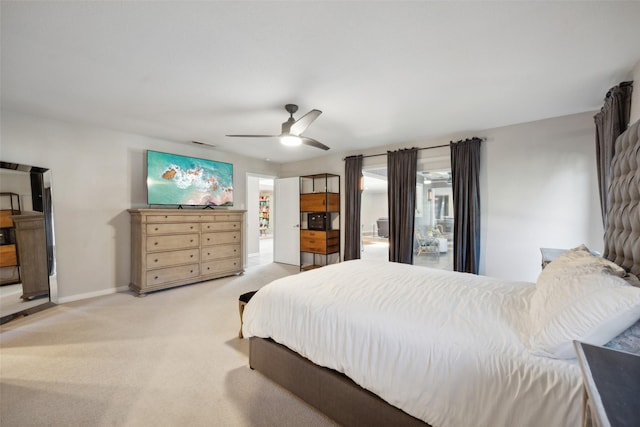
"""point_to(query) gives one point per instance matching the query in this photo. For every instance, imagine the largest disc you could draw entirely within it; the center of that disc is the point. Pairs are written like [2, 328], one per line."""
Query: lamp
[290, 140]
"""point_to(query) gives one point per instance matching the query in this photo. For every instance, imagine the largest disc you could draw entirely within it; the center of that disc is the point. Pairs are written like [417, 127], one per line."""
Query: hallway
[265, 256]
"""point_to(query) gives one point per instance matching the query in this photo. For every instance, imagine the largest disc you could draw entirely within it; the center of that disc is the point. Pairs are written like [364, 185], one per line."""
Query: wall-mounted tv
[188, 181]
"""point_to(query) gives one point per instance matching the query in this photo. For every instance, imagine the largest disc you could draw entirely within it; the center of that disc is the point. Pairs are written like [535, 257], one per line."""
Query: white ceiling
[382, 72]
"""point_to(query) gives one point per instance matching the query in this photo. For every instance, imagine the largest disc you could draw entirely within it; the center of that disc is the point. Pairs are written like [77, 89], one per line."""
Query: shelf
[264, 212]
[319, 220]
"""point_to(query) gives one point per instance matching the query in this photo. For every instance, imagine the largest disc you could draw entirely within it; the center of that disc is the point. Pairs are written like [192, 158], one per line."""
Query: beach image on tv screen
[181, 180]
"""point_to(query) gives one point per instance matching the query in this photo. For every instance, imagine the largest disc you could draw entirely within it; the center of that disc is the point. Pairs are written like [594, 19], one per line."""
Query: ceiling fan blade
[303, 122]
[312, 142]
[254, 136]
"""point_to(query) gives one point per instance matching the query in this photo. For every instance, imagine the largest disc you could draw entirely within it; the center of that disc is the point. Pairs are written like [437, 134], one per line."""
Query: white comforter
[444, 347]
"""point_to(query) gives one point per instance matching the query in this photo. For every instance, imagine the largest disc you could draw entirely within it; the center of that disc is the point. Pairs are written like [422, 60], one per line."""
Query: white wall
[97, 174]
[538, 189]
[374, 206]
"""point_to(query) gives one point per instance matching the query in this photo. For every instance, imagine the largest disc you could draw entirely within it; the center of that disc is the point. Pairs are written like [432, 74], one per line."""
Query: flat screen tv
[188, 181]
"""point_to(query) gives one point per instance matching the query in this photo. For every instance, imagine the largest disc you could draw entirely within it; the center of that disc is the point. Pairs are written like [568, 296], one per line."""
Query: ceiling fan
[291, 129]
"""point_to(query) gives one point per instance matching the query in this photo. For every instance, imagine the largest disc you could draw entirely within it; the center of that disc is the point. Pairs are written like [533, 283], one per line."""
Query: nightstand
[611, 386]
[549, 254]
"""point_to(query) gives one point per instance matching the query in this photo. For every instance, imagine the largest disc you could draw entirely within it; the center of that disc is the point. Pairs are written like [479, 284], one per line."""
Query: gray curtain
[465, 175]
[353, 202]
[610, 122]
[401, 181]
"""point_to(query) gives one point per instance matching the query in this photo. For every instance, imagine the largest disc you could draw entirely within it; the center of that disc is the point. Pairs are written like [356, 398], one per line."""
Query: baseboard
[78, 297]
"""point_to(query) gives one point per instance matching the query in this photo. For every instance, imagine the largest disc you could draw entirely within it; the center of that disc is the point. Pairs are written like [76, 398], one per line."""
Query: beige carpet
[172, 358]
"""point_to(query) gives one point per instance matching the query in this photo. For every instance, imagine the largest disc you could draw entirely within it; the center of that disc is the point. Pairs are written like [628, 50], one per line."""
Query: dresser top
[188, 211]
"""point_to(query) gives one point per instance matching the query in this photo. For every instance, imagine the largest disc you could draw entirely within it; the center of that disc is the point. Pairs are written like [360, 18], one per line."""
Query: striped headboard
[622, 227]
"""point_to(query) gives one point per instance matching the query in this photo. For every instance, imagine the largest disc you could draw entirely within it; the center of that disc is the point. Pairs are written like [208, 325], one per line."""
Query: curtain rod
[421, 148]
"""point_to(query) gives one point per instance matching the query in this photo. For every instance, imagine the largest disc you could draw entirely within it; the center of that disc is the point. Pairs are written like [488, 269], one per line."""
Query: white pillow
[580, 297]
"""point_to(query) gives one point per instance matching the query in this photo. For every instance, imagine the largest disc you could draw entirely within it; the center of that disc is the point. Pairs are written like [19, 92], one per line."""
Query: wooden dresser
[174, 247]
[32, 254]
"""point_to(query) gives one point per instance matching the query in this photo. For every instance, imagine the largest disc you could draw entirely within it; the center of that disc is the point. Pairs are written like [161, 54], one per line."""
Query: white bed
[454, 349]
[423, 340]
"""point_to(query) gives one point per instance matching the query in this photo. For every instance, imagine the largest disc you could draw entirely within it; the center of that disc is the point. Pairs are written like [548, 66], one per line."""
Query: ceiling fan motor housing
[291, 108]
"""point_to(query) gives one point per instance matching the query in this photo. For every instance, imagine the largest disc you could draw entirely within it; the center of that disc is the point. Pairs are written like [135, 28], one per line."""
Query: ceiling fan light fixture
[290, 140]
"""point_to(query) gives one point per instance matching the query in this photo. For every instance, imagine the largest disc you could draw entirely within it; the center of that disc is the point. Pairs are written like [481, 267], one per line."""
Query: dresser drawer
[318, 246]
[172, 218]
[315, 234]
[221, 266]
[8, 255]
[232, 217]
[178, 241]
[319, 242]
[165, 275]
[217, 252]
[165, 259]
[320, 202]
[220, 226]
[172, 228]
[220, 238]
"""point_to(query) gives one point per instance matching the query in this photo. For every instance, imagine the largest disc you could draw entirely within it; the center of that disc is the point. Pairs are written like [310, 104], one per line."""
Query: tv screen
[182, 180]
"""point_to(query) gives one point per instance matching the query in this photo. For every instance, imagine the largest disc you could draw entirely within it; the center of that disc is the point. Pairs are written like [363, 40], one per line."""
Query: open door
[286, 233]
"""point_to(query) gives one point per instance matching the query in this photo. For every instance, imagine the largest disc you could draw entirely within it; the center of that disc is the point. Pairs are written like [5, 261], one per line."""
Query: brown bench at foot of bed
[332, 393]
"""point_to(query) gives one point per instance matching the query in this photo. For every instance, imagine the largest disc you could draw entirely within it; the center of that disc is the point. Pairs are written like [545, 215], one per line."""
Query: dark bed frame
[344, 401]
[331, 392]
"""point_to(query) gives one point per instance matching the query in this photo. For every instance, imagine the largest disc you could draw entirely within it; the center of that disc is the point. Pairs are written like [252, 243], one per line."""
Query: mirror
[27, 244]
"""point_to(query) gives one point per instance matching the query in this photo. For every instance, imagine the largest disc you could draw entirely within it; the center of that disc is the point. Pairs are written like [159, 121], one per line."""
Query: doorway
[260, 217]
[374, 215]
[433, 221]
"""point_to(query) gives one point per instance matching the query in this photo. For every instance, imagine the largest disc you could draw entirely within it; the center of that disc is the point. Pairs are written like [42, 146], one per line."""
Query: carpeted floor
[172, 358]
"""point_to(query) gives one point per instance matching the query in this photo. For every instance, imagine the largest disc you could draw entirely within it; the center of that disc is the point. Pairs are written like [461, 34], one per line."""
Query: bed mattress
[447, 348]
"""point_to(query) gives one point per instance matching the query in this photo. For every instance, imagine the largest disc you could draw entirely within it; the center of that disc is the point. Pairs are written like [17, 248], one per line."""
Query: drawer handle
[156, 228]
[156, 278]
[191, 227]
[208, 239]
[156, 260]
[192, 240]
[191, 255]
[208, 253]
[190, 271]
[208, 268]
[155, 243]
[235, 250]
